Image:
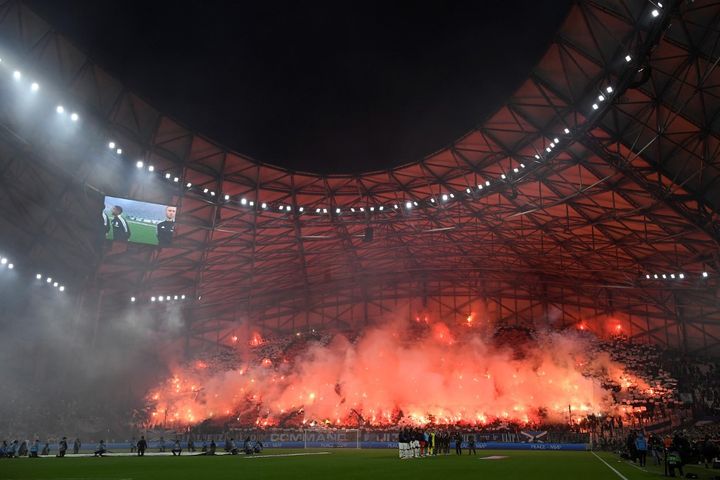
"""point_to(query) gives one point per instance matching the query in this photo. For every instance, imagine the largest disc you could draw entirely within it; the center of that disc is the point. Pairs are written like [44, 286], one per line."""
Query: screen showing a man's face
[170, 213]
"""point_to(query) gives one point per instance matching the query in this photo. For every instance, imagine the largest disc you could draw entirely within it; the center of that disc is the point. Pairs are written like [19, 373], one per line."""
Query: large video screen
[139, 222]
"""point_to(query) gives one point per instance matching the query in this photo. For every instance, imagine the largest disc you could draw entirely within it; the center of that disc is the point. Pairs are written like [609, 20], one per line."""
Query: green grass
[339, 464]
[140, 233]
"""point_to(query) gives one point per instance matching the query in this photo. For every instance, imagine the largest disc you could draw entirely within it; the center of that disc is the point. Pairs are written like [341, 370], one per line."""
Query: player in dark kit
[141, 446]
[120, 227]
[166, 229]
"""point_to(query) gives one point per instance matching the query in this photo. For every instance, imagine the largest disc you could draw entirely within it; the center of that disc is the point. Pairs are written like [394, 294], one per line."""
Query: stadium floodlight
[705, 274]
[175, 297]
[415, 203]
[567, 130]
[60, 109]
[49, 280]
[480, 187]
[281, 208]
[34, 87]
[317, 210]
[74, 117]
[655, 12]
[3, 261]
[10, 266]
[182, 297]
[206, 190]
[161, 298]
[243, 201]
[487, 183]
[556, 140]
[139, 164]
[352, 209]
[119, 151]
[522, 165]
[152, 299]
[452, 195]
[372, 209]
[111, 145]
[601, 98]
[151, 168]
[263, 205]
[537, 157]
[595, 106]
[395, 206]
[516, 170]
[628, 58]
[176, 179]
[17, 75]
[552, 144]
[672, 275]
[647, 276]
[381, 208]
[288, 208]
[167, 175]
[252, 204]
[62, 288]
[503, 176]
[212, 193]
[337, 210]
[362, 209]
[655, 276]
[227, 197]
[38, 276]
[301, 209]
[132, 299]
[55, 284]
[664, 276]
[408, 205]
[188, 185]
[609, 89]
[432, 200]
[681, 275]
[468, 191]
[548, 149]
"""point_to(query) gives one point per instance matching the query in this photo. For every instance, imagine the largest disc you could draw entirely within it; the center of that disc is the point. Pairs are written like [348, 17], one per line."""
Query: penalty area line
[288, 455]
[609, 466]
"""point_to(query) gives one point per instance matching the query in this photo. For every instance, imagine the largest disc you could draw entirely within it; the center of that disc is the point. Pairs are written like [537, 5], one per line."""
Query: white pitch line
[288, 455]
[609, 466]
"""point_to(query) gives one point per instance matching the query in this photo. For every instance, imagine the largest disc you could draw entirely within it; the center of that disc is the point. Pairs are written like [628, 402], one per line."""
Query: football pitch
[340, 464]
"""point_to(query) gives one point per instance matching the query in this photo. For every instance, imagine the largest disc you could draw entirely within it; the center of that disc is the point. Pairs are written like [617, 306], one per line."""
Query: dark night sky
[325, 87]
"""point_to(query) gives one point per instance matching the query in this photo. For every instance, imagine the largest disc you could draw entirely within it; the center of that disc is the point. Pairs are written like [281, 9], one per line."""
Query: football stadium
[463, 240]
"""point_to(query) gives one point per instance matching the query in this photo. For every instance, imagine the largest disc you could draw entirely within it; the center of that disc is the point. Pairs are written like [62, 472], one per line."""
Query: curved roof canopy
[601, 170]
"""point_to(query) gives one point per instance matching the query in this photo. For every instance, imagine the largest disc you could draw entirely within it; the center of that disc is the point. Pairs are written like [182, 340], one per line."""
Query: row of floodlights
[5, 263]
[162, 298]
[671, 276]
[49, 280]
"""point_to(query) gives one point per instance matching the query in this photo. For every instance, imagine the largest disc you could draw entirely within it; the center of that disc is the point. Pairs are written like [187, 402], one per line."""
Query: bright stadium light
[552, 144]
[705, 274]
[595, 106]
[681, 275]
[408, 205]
[10, 266]
[206, 190]
[655, 276]
[132, 299]
[74, 117]
[62, 288]
[468, 191]
[609, 89]
[664, 276]
[628, 58]
[647, 276]
[139, 164]
[672, 275]
[337, 210]
[119, 151]
[432, 200]
[601, 98]
[152, 299]
[301, 209]
[480, 187]
[324, 210]
[111, 145]
[503, 176]
[556, 140]
[537, 157]
[516, 170]
[288, 208]
[182, 297]
[226, 197]
[522, 165]
[167, 175]
[60, 109]
[263, 205]
[655, 12]
[38, 276]
[49, 280]
[252, 204]
[17, 75]
[381, 208]
[161, 298]
[175, 297]
[362, 209]
[567, 130]
[444, 197]
[34, 87]
[317, 210]
[212, 193]
[487, 183]
[395, 206]
[188, 185]
[176, 179]
[243, 201]
[548, 149]
[3, 261]
[415, 203]
[151, 168]
[372, 209]
[55, 284]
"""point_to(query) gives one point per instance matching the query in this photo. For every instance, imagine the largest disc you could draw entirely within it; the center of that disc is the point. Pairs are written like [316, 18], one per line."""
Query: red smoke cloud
[414, 373]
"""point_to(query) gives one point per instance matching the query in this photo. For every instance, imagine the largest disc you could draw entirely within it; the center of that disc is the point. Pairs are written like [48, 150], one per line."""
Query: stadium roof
[598, 172]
